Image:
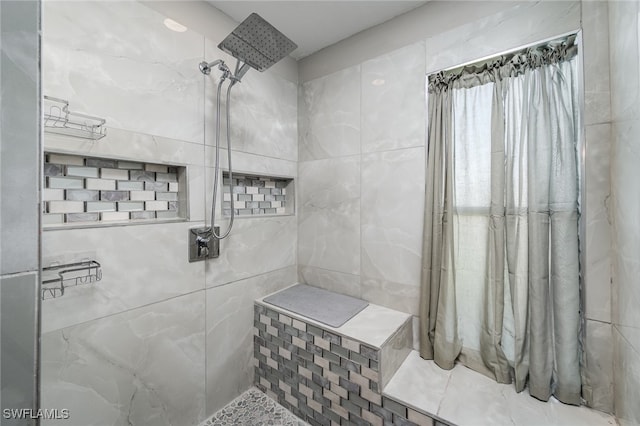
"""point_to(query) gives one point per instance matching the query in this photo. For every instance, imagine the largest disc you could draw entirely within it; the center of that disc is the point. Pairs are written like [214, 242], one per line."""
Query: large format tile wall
[157, 329]
[20, 206]
[361, 179]
[598, 386]
[361, 150]
[362, 158]
[624, 20]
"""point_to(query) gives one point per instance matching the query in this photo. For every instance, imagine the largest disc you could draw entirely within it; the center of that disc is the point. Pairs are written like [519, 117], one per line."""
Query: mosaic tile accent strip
[323, 378]
[253, 408]
[98, 190]
[256, 195]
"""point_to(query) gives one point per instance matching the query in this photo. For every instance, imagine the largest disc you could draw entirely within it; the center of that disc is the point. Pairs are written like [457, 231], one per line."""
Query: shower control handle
[203, 244]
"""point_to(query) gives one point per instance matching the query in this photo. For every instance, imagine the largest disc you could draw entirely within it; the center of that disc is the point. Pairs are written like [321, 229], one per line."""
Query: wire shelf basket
[56, 278]
[58, 119]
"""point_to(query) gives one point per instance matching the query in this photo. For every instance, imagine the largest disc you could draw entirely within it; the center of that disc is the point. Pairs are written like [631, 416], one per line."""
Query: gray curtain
[439, 339]
[500, 282]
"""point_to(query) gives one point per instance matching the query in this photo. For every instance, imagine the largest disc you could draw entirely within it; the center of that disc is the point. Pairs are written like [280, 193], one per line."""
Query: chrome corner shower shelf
[58, 119]
[57, 277]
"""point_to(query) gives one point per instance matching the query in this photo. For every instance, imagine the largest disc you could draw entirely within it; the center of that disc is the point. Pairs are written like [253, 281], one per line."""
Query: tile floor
[459, 396]
[464, 397]
[253, 408]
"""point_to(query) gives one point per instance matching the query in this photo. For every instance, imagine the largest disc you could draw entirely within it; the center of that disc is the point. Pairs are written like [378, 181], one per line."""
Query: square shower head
[257, 43]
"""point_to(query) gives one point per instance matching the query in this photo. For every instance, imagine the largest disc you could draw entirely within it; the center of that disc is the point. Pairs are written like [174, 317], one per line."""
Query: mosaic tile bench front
[324, 378]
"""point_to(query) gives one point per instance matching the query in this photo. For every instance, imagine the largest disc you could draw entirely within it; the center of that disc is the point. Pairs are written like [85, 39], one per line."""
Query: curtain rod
[504, 52]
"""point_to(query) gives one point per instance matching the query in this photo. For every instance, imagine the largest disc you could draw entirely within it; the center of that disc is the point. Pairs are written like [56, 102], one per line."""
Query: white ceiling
[313, 25]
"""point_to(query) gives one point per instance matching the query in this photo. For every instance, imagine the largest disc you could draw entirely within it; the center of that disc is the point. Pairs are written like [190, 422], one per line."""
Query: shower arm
[206, 67]
[241, 70]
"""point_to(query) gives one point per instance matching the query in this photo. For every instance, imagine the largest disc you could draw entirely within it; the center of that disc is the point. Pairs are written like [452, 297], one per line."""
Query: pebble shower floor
[253, 408]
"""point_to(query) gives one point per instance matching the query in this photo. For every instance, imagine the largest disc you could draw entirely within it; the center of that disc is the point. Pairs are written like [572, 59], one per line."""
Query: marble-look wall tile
[196, 195]
[395, 351]
[20, 142]
[248, 163]
[19, 331]
[338, 282]
[595, 30]
[598, 222]
[626, 207]
[140, 265]
[393, 100]
[329, 214]
[209, 173]
[624, 45]
[141, 367]
[484, 398]
[119, 62]
[374, 325]
[525, 23]
[392, 209]
[416, 333]
[388, 217]
[264, 111]
[462, 396]
[599, 368]
[402, 297]
[230, 333]
[419, 383]
[329, 183]
[329, 116]
[626, 272]
[627, 374]
[264, 116]
[128, 145]
[255, 246]
[329, 239]
[598, 215]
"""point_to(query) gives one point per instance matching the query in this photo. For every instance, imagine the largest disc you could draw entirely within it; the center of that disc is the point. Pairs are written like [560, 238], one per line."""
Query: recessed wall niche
[255, 195]
[83, 190]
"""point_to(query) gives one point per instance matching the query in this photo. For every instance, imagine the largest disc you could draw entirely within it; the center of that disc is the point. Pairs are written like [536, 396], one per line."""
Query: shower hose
[233, 81]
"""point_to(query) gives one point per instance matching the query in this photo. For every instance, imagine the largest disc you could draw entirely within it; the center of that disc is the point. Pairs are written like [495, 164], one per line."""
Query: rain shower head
[257, 43]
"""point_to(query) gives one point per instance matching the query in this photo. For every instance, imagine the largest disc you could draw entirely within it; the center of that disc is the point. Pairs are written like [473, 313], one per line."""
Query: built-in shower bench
[332, 376]
[365, 372]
